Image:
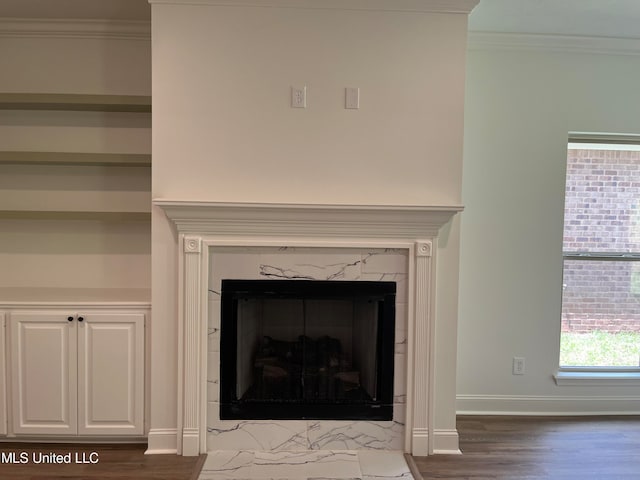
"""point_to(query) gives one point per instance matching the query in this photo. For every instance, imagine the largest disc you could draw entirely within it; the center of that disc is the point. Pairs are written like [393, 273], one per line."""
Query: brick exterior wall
[602, 215]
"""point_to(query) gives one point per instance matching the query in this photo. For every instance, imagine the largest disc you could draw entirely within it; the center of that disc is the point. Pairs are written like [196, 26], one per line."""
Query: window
[601, 253]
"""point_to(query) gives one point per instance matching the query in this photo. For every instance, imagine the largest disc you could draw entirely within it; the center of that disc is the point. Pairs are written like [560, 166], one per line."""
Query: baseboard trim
[446, 442]
[162, 441]
[420, 442]
[547, 405]
[190, 442]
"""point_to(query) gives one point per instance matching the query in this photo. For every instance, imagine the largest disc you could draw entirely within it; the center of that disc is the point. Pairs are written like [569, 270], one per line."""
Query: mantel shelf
[75, 102]
[75, 158]
[293, 220]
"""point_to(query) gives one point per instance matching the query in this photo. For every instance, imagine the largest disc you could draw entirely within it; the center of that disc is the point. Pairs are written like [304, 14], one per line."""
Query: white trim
[547, 405]
[192, 360]
[597, 379]
[162, 441]
[552, 43]
[445, 442]
[204, 342]
[419, 442]
[603, 138]
[76, 305]
[211, 241]
[409, 439]
[422, 6]
[420, 336]
[622, 147]
[82, 29]
[300, 221]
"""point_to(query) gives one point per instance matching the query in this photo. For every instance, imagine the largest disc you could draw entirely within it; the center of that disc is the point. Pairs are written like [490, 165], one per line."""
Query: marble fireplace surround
[204, 226]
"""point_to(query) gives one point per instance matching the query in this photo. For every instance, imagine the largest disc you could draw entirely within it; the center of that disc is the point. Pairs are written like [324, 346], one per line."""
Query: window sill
[591, 378]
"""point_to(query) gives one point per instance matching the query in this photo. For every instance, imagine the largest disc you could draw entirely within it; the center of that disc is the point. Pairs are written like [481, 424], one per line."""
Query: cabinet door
[111, 374]
[43, 363]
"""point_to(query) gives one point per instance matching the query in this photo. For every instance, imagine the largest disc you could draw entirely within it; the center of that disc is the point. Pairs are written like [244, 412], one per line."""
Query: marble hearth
[328, 242]
[307, 465]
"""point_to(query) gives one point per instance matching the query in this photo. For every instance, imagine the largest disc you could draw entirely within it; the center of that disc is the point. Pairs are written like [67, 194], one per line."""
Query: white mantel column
[190, 371]
[422, 421]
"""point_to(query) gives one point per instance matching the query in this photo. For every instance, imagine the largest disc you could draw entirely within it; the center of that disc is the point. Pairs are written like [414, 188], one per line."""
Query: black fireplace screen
[307, 349]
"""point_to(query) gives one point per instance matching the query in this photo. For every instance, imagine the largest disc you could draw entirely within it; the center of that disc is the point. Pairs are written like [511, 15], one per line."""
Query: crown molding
[424, 6]
[71, 28]
[294, 220]
[553, 43]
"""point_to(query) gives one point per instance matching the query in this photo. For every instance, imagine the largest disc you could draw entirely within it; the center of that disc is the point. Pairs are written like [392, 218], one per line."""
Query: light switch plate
[352, 98]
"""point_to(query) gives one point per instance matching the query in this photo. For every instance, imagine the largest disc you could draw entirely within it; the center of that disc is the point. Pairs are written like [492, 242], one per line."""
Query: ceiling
[601, 18]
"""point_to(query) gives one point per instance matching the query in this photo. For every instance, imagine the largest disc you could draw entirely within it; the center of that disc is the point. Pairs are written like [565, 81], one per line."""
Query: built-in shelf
[75, 215]
[90, 208]
[99, 202]
[75, 158]
[75, 102]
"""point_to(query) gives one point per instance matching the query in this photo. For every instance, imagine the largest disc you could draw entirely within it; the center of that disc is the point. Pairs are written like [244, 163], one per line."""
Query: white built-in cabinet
[75, 243]
[75, 257]
[77, 372]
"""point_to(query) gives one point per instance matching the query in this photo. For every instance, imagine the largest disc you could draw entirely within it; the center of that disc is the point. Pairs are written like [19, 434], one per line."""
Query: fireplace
[307, 349]
[331, 242]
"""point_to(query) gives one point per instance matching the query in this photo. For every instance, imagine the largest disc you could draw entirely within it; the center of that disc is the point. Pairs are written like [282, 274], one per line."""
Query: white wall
[222, 115]
[223, 131]
[520, 106]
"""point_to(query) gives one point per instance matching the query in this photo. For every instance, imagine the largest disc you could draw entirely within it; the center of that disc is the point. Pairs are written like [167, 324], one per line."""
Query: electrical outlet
[299, 97]
[518, 366]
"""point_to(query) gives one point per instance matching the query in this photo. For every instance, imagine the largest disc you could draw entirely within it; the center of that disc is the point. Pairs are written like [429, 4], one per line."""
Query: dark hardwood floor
[111, 462]
[514, 448]
[603, 448]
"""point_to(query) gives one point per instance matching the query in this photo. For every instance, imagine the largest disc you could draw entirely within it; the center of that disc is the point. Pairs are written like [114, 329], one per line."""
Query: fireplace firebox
[307, 349]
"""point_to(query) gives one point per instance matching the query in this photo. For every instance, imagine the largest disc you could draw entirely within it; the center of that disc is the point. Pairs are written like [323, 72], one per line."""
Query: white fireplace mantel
[295, 220]
[201, 225]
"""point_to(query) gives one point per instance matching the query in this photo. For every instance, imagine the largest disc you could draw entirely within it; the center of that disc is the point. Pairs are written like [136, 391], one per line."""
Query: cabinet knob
[70, 319]
[80, 319]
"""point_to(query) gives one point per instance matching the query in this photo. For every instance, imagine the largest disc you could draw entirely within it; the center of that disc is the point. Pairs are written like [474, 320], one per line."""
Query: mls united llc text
[49, 458]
